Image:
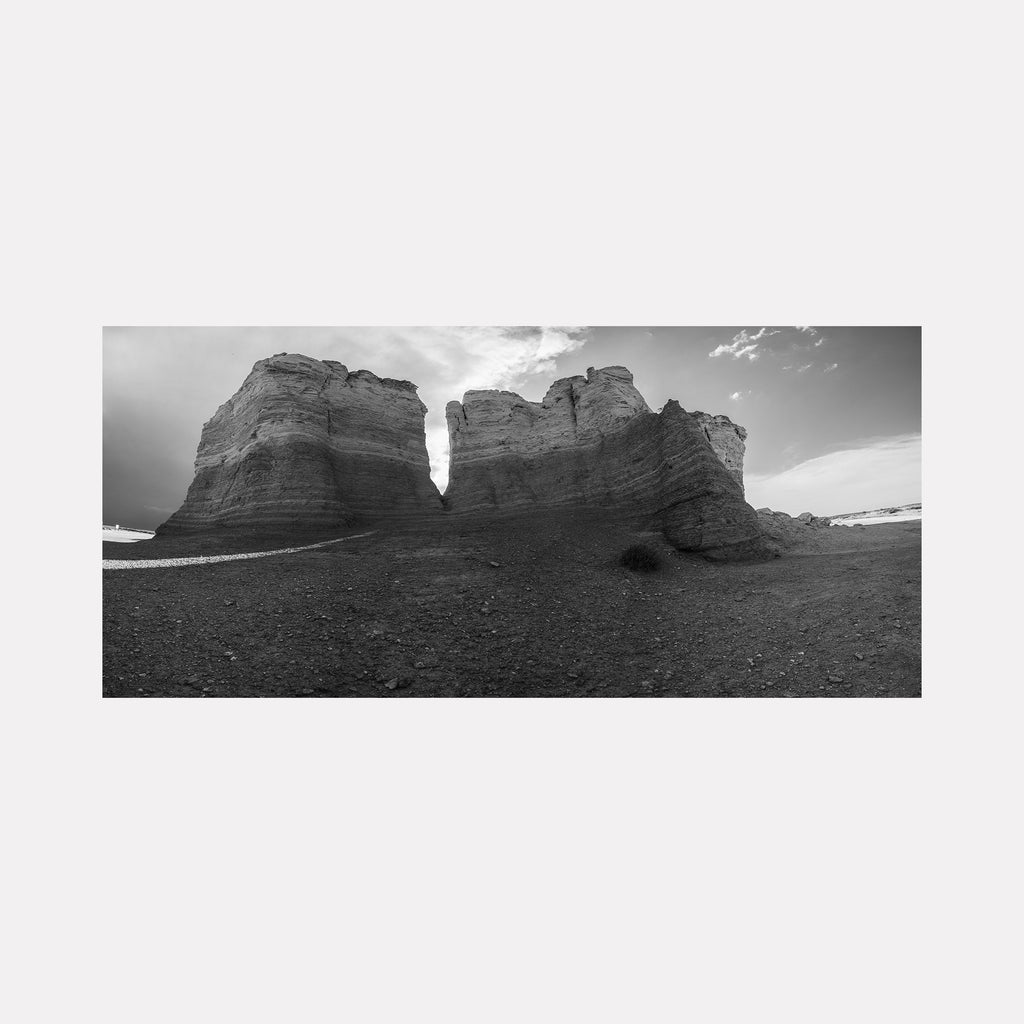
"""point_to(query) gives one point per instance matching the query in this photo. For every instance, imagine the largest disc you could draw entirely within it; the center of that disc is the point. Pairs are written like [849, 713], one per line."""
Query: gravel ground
[522, 607]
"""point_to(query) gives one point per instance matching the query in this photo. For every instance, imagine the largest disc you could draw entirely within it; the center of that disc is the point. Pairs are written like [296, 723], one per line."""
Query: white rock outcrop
[306, 443]
[728, 440]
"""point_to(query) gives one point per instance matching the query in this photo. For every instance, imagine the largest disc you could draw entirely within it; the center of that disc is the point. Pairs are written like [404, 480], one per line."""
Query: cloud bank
[885, 471]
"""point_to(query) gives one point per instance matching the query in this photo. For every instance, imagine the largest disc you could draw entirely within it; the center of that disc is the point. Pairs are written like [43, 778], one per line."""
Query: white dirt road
[168, 563]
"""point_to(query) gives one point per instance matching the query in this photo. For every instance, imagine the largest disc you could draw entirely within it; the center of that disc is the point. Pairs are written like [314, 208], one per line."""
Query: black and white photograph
[475, 511]
[555, 464]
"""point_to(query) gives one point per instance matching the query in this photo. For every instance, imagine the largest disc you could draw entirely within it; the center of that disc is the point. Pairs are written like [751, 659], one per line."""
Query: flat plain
[527, 606]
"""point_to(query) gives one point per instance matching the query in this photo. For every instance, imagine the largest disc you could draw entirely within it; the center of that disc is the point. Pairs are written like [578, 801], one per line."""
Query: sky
[833, 414]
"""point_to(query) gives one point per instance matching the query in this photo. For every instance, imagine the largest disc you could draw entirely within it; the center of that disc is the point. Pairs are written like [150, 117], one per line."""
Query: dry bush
[640, 558]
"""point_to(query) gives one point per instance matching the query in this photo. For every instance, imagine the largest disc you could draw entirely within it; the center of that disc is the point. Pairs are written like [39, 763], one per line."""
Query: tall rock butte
[306, 443]
[594, 442]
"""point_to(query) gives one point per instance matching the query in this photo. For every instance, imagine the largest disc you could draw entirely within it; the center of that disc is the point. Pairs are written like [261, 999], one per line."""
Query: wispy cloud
[738, 396]
[829, 369]
[744, 344]
[813, 332]
[868, 474]
[791, 453]
[804, 368]
[737, 351]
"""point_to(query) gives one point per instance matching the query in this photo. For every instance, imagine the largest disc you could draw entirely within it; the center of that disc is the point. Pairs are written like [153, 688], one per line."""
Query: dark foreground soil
[421, 611]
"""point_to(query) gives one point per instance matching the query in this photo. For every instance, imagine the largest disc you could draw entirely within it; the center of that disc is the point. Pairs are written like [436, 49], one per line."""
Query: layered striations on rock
[307, 444]
[594, 442]
[490, 425]
[728, 439]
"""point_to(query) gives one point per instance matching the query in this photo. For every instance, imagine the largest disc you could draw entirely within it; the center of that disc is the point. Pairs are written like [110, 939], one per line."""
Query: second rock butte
[594, 442]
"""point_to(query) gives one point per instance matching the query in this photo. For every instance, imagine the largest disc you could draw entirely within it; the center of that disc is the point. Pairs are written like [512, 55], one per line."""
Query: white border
[467, 861]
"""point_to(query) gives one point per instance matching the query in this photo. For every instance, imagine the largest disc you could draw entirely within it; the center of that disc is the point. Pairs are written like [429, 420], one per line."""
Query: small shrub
[640, 558]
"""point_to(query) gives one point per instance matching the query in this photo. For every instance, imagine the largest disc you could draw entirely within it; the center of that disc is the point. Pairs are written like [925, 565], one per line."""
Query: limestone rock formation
[810, 519]
[307, 444]
[594, 442]
[574, 411]
[728, 440]
[786, 530]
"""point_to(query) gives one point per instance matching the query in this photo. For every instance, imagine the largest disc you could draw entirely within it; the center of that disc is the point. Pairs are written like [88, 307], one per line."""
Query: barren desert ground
[534, 606]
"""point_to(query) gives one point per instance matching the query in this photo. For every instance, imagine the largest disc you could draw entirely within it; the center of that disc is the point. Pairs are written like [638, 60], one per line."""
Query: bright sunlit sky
[833, 413]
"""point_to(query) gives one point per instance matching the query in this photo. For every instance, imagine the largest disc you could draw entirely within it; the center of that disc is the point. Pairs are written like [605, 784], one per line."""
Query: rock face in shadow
[594, 442]
[306, 444]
